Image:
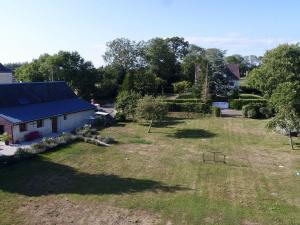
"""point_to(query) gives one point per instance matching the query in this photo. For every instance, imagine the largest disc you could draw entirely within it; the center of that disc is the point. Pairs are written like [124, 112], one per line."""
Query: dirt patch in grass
[51, 210]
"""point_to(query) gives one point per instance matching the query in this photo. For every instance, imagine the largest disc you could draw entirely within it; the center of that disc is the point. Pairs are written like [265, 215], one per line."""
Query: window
[65, 117]
[23, 127]
[39, 123]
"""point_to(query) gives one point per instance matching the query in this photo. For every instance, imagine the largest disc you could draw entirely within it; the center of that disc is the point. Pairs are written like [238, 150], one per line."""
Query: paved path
[10, 149]
[231, 113]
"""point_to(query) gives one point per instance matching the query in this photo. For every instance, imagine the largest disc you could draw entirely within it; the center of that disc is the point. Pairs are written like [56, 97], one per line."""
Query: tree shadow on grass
[39, 177]
[192, 133]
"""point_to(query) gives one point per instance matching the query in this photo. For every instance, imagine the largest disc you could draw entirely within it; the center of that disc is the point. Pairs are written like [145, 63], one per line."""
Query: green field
[159, 178]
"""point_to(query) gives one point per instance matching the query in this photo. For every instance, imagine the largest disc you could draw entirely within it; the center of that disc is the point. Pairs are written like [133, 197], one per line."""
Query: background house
[6, 75]
[43, 107]
[233, 75]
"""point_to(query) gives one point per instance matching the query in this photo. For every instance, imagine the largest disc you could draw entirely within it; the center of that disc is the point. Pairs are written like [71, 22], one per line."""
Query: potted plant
[5, 138]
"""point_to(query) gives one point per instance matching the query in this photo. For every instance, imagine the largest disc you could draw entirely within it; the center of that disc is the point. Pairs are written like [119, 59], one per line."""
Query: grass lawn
[159, 178]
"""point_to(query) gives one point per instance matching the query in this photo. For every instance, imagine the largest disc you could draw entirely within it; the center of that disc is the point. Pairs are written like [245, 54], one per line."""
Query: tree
[142, 81]
[13, 66]
[194, 56]
[67, 66]
[286, 101]
[125, 53]
[279, 65]
[152, 109]
[126, 103]
[178, 46]
[161, 60]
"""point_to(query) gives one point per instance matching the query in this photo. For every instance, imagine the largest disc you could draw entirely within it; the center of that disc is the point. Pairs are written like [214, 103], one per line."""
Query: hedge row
[189, 100]
[239, 103]
[188, 107]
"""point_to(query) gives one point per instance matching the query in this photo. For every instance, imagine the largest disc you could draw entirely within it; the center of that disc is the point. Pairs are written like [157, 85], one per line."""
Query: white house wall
[6, 78]
[73, 121]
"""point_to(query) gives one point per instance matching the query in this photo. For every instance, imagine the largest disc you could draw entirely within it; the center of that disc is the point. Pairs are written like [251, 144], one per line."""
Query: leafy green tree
[151, 109]
[194, 56]
[67, 66]
[181, 87]
[142, 81]
[286, 101]
[161, 60]
[126, 103]
[125, 53]
[13, 66]
[279, 65]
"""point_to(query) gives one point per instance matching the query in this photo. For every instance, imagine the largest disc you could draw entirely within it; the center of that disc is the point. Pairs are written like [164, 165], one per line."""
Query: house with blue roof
[40, 108]
[6, 75]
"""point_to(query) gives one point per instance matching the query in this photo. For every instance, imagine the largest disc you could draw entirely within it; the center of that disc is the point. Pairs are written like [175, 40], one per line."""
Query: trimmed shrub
[234, 93]
[252, 113]
[249, 96]
[239, 103]
[257, 111]
[268, 112]
[249, 90]
[216, 111]
[188, 107]
[181, 86]
[186, 96]
[120, 117]
[188, 100]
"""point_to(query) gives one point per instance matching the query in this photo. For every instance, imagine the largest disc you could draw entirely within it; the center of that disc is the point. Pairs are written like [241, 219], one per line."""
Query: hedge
[188, 107]
[249, 96]
[189, 100]
[239, 103]
[216, 111]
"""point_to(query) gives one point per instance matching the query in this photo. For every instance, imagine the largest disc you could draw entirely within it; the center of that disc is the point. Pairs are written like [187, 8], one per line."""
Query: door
[1, 129]
[54, 124]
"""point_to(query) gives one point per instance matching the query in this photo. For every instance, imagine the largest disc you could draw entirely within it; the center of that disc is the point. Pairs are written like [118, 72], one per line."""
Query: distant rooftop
[4, 69]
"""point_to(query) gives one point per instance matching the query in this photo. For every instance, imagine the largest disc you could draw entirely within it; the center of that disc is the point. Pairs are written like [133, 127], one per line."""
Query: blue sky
[33, 27]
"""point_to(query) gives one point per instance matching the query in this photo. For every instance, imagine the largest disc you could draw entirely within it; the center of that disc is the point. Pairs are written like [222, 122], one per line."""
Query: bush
[126, 103]
[239, 103]
[252, 113]
[120, 117]
[257, 111]
[181, 87]
[216, 111]
[268, 112]
[234, 93]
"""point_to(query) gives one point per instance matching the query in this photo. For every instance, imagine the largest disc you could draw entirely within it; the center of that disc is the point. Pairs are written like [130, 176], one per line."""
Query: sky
[29, 28]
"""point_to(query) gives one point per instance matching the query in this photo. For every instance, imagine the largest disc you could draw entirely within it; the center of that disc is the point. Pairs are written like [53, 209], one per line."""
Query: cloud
[235, 43]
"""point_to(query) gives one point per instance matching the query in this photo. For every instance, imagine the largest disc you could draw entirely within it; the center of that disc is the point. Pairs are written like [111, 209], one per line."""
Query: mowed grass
[162, 173]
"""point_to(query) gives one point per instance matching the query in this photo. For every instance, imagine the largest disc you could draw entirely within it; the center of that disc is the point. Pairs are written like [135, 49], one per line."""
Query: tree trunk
[291, 141]
[150, 126]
